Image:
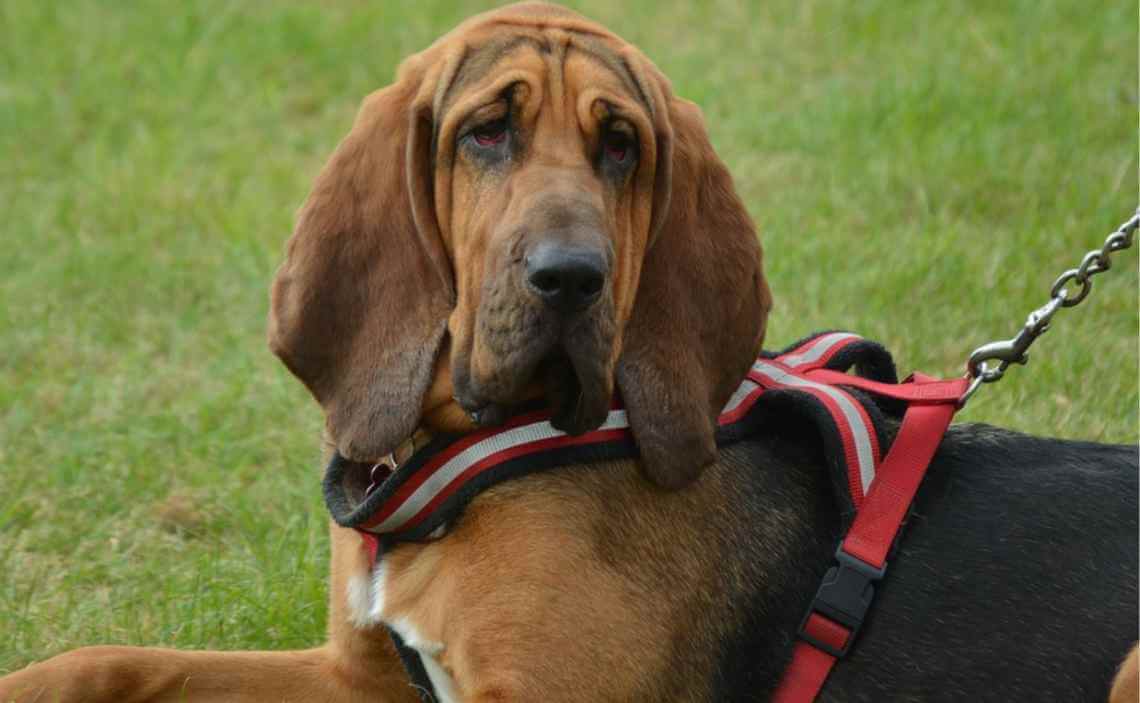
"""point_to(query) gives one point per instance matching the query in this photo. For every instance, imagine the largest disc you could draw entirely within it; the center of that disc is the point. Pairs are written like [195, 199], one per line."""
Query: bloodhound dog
[529, 212]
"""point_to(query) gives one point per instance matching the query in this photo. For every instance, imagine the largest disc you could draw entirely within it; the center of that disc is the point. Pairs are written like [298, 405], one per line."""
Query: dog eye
[618, 146]
[490, 134]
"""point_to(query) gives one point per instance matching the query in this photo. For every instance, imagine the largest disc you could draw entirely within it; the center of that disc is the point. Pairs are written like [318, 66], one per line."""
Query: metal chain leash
[980, 368]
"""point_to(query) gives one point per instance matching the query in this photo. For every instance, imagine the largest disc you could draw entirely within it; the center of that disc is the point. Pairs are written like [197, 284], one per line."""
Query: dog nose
[567, 278]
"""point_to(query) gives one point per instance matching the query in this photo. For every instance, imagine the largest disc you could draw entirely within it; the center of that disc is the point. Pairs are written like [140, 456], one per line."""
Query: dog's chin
[577, 388]
[577, 393]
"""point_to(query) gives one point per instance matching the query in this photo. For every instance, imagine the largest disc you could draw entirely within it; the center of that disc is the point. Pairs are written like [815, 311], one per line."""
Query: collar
[431, 487]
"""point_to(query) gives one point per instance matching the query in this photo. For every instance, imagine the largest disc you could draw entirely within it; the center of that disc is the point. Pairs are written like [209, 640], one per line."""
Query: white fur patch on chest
[366, 595]
[445, 688]
[412, 637]
[440, 680]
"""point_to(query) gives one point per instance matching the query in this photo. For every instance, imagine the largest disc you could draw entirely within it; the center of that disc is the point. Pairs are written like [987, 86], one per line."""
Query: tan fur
[377, 309]
[582, 552]
[1126, 686]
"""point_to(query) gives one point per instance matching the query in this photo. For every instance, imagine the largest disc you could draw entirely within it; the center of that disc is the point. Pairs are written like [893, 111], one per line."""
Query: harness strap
[805, 675]
[818, 350]
[840, 606]
[878, 522]
[918, 389]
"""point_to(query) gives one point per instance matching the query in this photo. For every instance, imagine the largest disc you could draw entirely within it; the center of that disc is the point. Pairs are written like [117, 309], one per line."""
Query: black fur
[1016, 578]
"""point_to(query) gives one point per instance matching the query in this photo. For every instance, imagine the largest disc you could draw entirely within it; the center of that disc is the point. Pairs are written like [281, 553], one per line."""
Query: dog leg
[129, 674]
[1126, 687]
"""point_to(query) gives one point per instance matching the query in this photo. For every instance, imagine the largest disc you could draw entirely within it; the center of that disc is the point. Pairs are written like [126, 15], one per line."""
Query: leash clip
[844, 596]
[390, 464]
[380, 471]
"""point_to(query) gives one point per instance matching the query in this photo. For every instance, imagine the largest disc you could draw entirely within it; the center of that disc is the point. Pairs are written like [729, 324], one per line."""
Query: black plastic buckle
[844, 595]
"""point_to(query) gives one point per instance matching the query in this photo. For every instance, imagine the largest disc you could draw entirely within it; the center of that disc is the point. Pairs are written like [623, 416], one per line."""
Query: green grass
[920, 172]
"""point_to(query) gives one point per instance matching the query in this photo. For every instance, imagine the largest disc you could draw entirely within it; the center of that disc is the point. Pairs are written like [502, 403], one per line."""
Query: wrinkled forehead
[566, 63]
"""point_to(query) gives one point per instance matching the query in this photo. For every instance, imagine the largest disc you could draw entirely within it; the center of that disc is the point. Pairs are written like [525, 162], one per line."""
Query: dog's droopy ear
[702, 302]
[359, 308]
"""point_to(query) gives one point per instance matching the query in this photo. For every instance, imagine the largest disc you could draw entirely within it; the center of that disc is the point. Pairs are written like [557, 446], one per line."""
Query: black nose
[567, 278]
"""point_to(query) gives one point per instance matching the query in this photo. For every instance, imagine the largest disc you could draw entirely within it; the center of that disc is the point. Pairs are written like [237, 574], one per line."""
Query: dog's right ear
[359, 307]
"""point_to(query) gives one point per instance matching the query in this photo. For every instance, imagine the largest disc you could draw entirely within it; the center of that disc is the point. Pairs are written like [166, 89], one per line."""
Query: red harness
[433, 486]
[840, 605]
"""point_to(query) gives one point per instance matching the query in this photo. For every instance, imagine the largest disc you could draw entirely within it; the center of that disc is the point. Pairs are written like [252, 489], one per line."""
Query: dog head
[527, 211]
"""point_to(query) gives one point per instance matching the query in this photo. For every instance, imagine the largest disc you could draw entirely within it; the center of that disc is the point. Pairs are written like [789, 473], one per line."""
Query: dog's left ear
[702, 302]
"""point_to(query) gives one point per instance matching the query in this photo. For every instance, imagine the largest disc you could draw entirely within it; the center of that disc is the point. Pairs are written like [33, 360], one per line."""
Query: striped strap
[856, 431]
[447, 471]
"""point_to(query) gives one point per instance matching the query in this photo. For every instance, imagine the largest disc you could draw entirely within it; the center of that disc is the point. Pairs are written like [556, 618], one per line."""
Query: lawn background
[919, 171]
